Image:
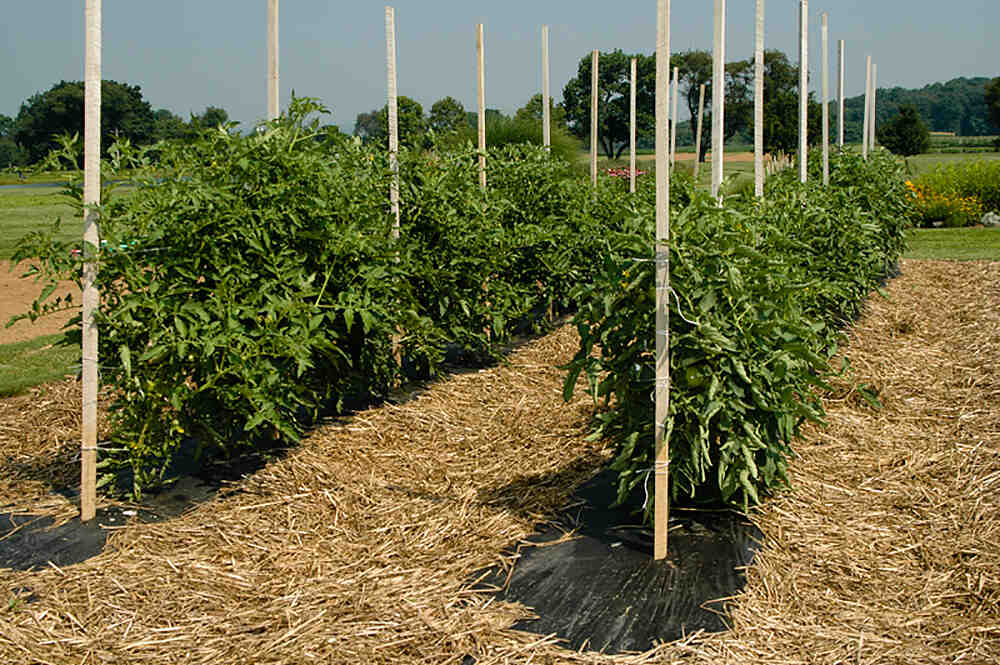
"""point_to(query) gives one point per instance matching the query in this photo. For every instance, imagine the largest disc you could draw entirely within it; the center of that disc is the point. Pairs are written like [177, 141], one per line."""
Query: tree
[533, 111]
[447, 115]
[614, 84]
[367, 127]
[210, 118]
[906, 134]
[993, 101]
[167, 125]
[410, 116]
[59, 111]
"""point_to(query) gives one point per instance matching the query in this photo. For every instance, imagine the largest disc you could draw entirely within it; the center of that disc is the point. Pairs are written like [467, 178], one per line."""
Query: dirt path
[16, 296]
[359, 546]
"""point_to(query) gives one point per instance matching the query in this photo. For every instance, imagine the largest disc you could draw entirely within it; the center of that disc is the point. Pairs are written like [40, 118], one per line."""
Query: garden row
[761, 291]
[261, 285]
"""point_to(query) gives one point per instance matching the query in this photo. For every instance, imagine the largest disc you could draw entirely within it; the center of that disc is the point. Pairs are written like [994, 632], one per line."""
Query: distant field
[922, 163]
[25, 210]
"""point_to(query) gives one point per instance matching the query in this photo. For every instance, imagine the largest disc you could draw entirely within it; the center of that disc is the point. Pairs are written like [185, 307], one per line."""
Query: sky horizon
[188, 55]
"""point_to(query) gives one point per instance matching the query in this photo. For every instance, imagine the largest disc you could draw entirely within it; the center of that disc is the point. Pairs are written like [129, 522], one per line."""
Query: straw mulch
[359, 546]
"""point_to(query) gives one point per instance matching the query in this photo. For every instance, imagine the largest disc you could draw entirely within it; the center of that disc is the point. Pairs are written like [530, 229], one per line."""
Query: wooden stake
[631, 160]
[393, 109]
[674, 94]
[481, 59]
[840, 93]
[91, 240]
[872, 121]
[595, 63]
[825, 36]
[661, 466]
[718, 96]
[758, 104]
[272, 60]
[546, 110]
[868, 106]
[697, 141]
[803, 90]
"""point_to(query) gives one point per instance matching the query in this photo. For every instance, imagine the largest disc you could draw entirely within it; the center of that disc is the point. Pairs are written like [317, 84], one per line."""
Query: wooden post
[661, 466]
[390, 58]
[718, 96]
[674, 94]
[840, 93]
[868, 106]
[872, 122]
[546, 111]
[825, 36]
[92, 241]
[481, 59]
[631, 159]
[803, 90]
[595, 63]
[758, 104]
[273, 105]
[697, 140]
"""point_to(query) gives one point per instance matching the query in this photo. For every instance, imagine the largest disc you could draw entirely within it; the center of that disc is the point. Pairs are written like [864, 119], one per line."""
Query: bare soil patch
[16, 296]
[358, 547]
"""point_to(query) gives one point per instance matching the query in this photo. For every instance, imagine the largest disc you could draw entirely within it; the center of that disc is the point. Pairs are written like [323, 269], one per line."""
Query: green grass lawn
[26, 210]
[919, 164]
[36, 361]
[970, 244]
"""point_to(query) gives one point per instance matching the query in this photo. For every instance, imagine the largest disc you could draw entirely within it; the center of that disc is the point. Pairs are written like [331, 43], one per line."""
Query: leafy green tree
[367, 127]
[993, 101]
[614, 84]
[167, 125]
[447, 115]
[906, 134]
[412, 124]
[373, 127]
[59, 111]
[210, 118]
[533, 111]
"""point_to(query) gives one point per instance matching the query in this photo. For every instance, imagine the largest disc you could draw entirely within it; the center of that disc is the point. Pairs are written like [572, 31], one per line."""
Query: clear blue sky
[187, 54]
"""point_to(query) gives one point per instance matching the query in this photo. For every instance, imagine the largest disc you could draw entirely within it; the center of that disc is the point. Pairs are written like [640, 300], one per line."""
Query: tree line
[45, 116]
[961, 105]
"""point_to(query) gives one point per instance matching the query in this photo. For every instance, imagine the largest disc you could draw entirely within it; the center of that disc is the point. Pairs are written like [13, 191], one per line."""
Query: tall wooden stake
[840, 93]
[390, 59]
[546, 110]
[272, 60]
[674, 94]
[697, 140]
[91, 240]
[718, 96]
[631, 158]
[481, 59]
[868, 106]
[825, 36]
[595, 63]
[803, 90]
[872, 122]
[661, 466]
[758, 104]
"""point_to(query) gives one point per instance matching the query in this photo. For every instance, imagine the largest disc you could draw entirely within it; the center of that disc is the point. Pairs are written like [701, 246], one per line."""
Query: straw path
[358, 546]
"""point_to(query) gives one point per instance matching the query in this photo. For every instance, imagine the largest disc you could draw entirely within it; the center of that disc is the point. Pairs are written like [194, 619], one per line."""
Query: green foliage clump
[257, 282]
[906, 134]
[758, 292]
[957, 194]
